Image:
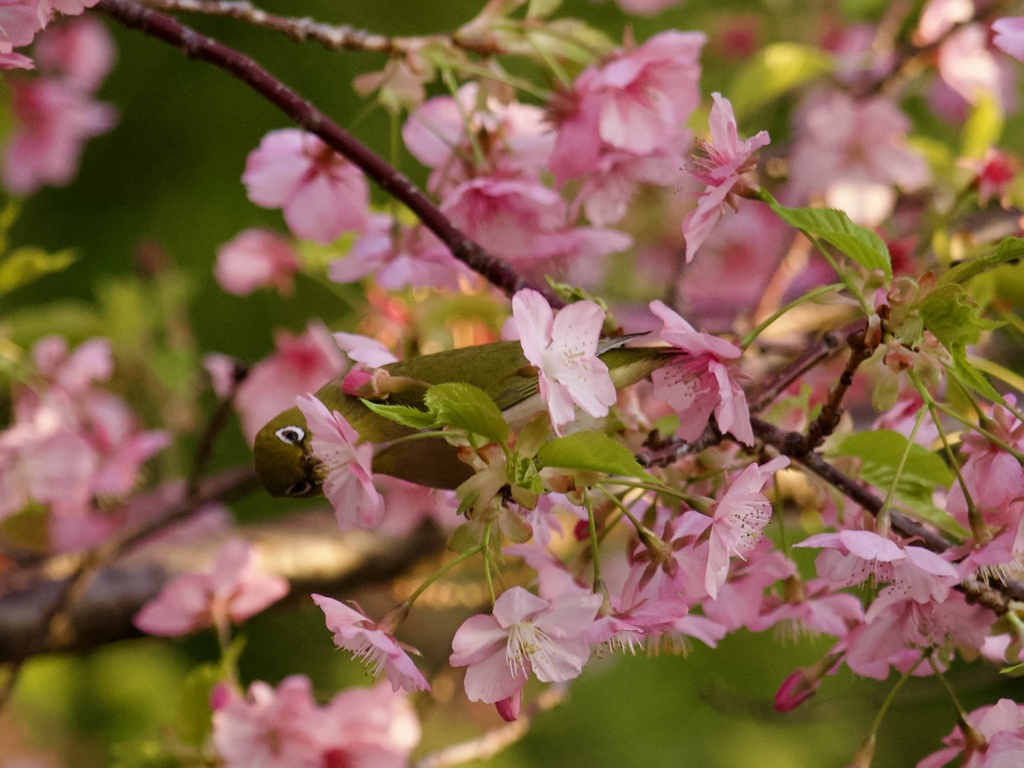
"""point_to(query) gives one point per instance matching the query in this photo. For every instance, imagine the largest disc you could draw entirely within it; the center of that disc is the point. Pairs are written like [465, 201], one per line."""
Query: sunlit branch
[308, 550]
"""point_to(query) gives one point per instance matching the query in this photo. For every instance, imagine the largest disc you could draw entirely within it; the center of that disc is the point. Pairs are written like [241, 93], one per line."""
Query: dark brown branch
[825, 348]
[308, 550]
[862, 343]
[304, 114]
[793, 445]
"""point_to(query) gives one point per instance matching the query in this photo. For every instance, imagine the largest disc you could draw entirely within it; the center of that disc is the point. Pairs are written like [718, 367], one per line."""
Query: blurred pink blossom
[1001, 725]
[399, 256]
[256, 258]
[853, 152]
[300, 364]
[1009, 36]
[321, 193]
[81, 51]
[232, 590]
[285, 728]
[508, 140]
[54, 120]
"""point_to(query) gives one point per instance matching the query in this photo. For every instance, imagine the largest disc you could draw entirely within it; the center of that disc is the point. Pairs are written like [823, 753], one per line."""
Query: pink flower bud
[509, 708]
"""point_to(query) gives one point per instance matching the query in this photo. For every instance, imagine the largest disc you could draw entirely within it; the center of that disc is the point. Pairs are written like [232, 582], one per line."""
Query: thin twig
[331, 36]
[825, 348]
[304, 114]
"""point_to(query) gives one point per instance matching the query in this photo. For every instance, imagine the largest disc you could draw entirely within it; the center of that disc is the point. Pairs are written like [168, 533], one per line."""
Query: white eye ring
[299, 488]
[291, 435]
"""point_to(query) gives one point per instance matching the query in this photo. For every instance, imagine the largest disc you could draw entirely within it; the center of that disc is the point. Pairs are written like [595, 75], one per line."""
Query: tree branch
[304, 114]
[308, 550]
[332, 37]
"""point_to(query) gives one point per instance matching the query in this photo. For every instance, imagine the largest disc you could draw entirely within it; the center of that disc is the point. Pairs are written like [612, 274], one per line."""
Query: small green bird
[284, 461]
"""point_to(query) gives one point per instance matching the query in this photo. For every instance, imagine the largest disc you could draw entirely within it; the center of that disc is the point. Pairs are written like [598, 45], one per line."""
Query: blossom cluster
[624, 479]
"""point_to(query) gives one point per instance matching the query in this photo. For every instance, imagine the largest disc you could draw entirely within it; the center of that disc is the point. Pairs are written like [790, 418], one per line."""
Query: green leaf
[405, 415]
[885, 447]
[591, 452]
[464, 406]
[972, 378]
[835, 227]
[1009, 249]
[28, 264]
[923, 471]
[194, 722]
[952, 315]
[982, 129]
[773, 71]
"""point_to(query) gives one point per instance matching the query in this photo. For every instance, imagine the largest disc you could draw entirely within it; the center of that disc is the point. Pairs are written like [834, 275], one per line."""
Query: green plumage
[500, 369]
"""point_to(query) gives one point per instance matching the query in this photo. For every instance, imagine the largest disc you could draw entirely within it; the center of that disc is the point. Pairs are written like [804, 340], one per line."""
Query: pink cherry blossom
[233, 589]
[720, 167]
[373, 644]
[53, 122]
[345, 466]
[738, 519]
[524, 634]
[321, 193]
[19, 22]
[853, 152]
[968, 64]
[399, 256]
[80, 51]
[700, 381]
[994, 478]
[363, 349]
[1009, 37]
[512, 140]
[16, 61]
[285, 728]
[256, 258]
[637, 102]
[564, 349]
[300, 364]
[850, 557]
[1001, 725]
[897, 629]
[271, 728]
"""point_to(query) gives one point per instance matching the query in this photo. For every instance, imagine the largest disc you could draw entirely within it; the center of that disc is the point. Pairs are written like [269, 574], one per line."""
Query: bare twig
[304, 114]
[332, 37]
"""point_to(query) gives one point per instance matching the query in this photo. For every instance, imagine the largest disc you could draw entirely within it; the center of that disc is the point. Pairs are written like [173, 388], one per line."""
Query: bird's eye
[300, 488]
[291, 435]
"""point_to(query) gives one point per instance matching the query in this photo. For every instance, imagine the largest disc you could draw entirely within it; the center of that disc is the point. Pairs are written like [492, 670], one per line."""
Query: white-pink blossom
[346, 467]
[320, 192]
[524, 634]
[372, 644]
[564, 349]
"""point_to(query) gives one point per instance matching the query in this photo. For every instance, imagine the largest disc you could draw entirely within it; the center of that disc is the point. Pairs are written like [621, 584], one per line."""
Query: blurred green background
[168, 177]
